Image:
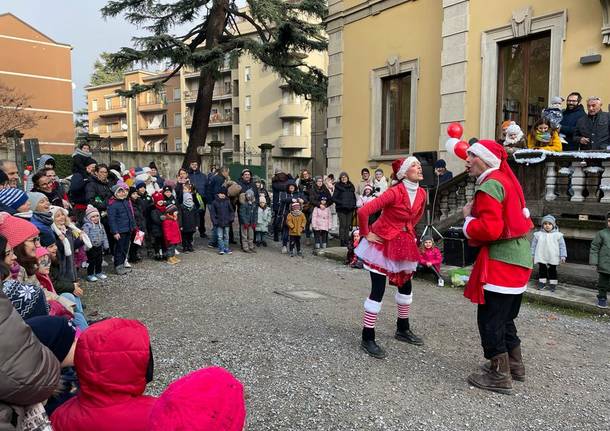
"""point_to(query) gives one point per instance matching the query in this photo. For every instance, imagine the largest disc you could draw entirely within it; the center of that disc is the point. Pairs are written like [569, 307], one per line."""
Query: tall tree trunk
[203, 104]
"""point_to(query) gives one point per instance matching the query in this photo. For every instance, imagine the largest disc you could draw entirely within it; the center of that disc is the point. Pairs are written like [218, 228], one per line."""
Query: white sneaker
[127, 264]
[101, 276]
[284, 250]
[177, 252]
[104, 263]
[441, 282]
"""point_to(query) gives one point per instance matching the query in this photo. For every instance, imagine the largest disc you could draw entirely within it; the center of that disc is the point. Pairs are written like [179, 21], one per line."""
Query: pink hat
[204, 400]
[16, 230]
[41, 251]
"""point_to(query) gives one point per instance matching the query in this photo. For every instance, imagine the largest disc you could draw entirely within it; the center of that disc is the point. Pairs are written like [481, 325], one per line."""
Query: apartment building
[251, 106]
[39, 67]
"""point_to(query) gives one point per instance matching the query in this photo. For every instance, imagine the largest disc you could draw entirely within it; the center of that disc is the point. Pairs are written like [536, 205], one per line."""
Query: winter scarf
[62, 231]
[543, 137]
[80, 152]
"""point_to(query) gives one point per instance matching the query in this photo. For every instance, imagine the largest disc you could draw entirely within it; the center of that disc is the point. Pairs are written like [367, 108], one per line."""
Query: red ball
[461, 149]
[455, 130]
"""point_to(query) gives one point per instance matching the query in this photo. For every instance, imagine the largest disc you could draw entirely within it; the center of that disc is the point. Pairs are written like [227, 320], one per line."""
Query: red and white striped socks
[371, 310]
[403, 303]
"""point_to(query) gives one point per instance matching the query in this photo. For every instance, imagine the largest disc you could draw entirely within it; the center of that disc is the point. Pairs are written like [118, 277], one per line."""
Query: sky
[78, 23]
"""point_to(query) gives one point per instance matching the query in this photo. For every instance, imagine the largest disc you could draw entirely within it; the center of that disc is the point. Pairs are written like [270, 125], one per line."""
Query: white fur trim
[484, 154]
[526, 212]
[505, 290]
[465, 227]
[409, 161]
[372, 306]
[403, 299]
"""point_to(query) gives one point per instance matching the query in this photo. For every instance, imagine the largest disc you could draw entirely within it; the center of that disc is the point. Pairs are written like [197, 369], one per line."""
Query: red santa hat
[401, 166]
[494, 155]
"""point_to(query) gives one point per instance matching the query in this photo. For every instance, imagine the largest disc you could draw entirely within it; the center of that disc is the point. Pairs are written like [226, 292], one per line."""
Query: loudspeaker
[456, 251]
[427, 159]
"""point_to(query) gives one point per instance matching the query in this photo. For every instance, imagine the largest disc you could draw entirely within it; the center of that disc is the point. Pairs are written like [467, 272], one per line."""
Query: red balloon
[455, 130]
[461, 149]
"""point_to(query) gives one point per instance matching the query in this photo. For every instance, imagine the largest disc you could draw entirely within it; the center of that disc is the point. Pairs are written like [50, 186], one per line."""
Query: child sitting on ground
[222, 216]
[171, 233]
[262, 222]
[296, 226]
[548, 250]
[189, 217]
[321, 222]
[99, 242]
[430, 258]
[599, 256]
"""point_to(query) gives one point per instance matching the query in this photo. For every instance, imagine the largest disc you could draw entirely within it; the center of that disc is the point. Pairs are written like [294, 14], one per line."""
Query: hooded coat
[112, 360]
[98, 193]
[279, 182]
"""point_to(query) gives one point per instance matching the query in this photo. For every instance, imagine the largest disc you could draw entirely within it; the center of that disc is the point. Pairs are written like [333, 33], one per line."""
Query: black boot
[404, 333]
[369, 345]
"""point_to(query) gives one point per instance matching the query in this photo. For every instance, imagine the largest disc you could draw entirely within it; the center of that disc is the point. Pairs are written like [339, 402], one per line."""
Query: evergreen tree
[284, 33]
[103, 73]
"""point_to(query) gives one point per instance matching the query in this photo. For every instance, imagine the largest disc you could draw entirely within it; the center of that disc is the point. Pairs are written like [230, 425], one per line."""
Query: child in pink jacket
[430, 258]
[321, 220]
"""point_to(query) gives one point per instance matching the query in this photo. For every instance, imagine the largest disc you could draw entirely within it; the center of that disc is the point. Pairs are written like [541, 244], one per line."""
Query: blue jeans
[79, 317]
[222, 237]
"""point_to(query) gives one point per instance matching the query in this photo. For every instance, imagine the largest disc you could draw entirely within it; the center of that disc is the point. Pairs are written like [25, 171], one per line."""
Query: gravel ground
[300, 359]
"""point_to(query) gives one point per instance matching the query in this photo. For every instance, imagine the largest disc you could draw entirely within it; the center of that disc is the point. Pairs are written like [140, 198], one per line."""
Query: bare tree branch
[14, 113]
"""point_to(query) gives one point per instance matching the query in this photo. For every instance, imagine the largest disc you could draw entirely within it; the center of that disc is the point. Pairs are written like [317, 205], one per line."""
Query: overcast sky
[78, 23]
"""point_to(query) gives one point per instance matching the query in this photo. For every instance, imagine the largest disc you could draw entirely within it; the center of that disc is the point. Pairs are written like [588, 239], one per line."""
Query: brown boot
[515, 362]
[498, 378]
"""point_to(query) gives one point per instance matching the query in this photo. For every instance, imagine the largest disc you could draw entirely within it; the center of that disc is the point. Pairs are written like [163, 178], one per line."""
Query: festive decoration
[455, 130]
[460, 149]
[450, 144]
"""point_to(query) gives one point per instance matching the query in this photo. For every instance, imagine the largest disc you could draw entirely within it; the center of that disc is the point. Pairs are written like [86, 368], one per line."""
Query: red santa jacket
[171, 231]
[111, 361]
[397, 212]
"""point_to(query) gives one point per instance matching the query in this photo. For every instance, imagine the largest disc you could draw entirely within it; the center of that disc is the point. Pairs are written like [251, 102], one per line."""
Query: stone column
[215, 149]
[578, 181]
[266, 160]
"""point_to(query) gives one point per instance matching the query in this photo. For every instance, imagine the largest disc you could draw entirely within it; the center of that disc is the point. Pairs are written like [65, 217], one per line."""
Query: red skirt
[396, 259]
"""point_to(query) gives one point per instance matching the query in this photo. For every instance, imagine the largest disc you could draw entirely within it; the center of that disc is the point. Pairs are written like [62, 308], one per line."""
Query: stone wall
[167, 163]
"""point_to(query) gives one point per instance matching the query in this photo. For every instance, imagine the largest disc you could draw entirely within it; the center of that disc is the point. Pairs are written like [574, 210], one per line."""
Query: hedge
[63, 165]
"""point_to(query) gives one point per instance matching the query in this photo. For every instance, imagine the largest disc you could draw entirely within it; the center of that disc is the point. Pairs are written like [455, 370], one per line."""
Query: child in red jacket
[430, 258]
[171, 233]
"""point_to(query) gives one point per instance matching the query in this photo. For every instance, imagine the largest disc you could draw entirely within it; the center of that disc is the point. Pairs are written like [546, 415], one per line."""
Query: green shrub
[63, 165]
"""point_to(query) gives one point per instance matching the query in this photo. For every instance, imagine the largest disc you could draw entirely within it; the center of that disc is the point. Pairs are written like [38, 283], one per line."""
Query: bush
[63, 165]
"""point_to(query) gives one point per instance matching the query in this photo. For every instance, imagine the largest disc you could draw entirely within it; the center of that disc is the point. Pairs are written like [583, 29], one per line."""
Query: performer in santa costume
[388, 249]
[497, 221]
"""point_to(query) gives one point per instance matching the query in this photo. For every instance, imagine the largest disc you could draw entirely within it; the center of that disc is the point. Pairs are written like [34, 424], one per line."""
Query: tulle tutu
[397, 259]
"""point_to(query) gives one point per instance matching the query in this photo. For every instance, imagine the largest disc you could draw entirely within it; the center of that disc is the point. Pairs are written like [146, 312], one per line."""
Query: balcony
[291, 142]
[154, 131]
[225, 94]
[153, 106]
[113, 111]
[293, 110]
[118, 134]
[216, 120]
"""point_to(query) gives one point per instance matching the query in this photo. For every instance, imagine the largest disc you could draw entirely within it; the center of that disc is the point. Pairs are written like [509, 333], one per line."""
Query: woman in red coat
[388, 249]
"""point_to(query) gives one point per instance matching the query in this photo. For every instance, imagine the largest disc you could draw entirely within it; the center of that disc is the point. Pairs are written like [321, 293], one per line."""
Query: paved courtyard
[300, 362]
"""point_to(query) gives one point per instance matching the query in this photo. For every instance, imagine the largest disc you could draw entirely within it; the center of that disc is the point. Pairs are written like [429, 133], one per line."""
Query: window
[94, 105]
[108, 127]
[248, 74]
[176, 94]
[523, 80]
[285, 97]
[108, 102]
[297, 128]
[122, 101]
[96, 125]
[396, 114]
[248, 103]
[214, 135]
[177, 119]
[227, 87]
[236, 143]
[178, 143]
[163, 147]
[248, 131]
[285, 128]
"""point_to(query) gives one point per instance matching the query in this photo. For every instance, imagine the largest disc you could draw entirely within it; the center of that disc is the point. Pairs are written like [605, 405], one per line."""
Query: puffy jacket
[596, 128]
[214, 185]
[97, 193]
[199, 180]
[248, 213]
[317, 193]
[189, 218]
[279, 182]
[432, 256]
[264, 219]
[155, 227]
[29, 372]
[286, 199]
[171, 231]
[222, 213]
[96, 233]
[111, 359]
[296, 224]
[568, 126]
[78, 186]
[120, 216]
[321, 219]
[344, 196]
[599, 254]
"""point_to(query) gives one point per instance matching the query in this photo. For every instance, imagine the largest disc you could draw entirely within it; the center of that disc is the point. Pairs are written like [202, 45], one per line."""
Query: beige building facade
[401, 70]
[251, 106]
[39, 67]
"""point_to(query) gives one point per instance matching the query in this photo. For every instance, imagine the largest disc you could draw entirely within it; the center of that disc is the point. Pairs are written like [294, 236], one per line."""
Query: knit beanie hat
[114, 189]
[206, 399]
[132, 190]
[47, 237]
[295, 206]
[171, 208]
[91, 210]
[139, 184]
[16, 230]
[440, 163]
[167, 189]
[367, 187]
[35, 199]
[427, 238]
[57, 333]
[222, 190]
[548, 219]
[13, 198]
